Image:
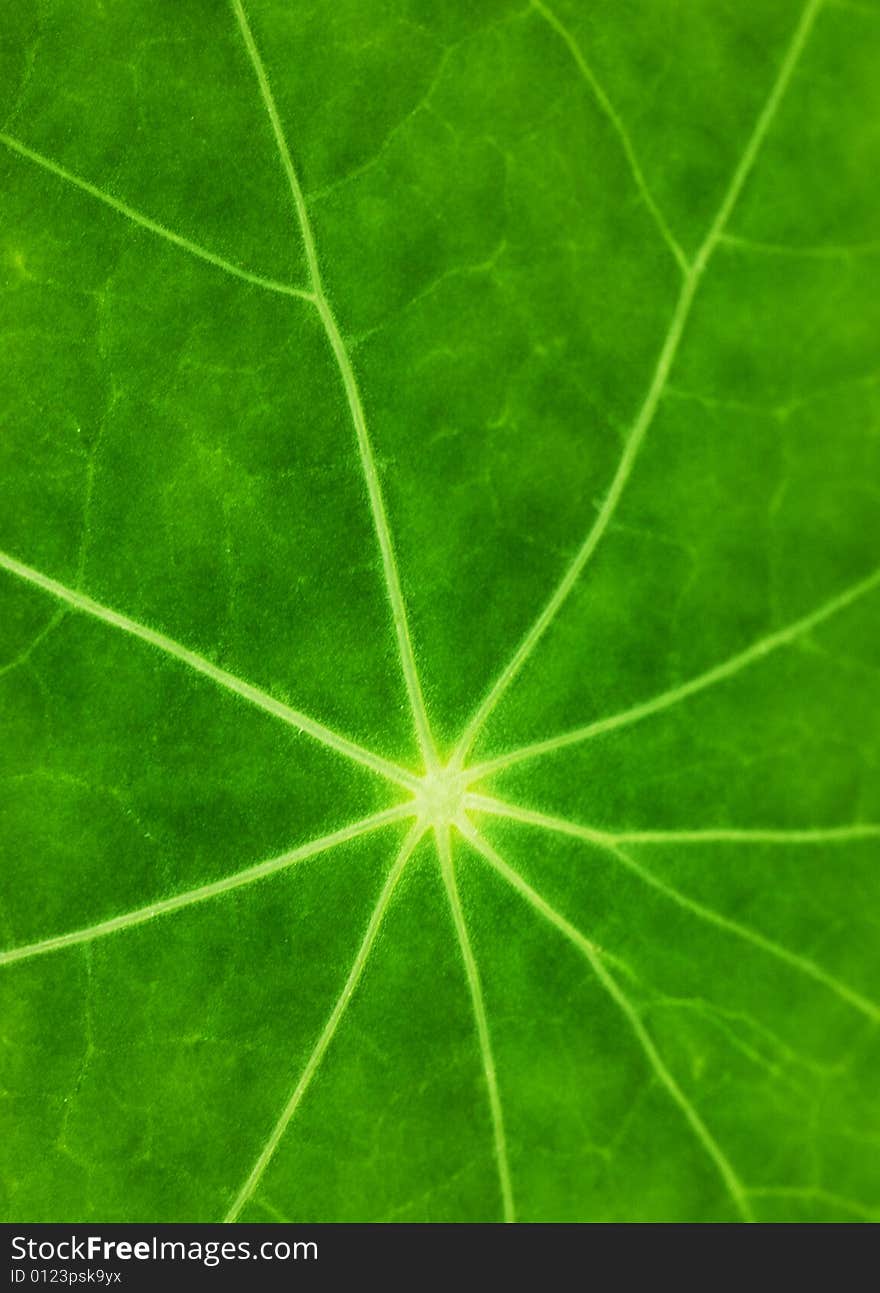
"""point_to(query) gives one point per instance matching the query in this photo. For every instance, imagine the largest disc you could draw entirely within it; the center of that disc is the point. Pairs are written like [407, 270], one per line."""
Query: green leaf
[441, 595]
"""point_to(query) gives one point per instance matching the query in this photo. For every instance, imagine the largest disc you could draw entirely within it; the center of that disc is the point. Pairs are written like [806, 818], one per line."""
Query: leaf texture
[440, 577]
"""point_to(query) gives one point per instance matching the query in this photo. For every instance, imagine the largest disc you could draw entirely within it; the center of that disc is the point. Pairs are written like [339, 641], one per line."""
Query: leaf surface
[440, 602]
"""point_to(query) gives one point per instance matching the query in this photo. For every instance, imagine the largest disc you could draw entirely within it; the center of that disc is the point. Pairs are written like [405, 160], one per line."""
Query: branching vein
[482, 1024]
[619, 129]
[152, 226]
[310, 726]
[800, 963]
[757, 835]
[355, 405]
[596, 960]
[645, 417]
[329, 1031]
[180, 901]
[675, 695]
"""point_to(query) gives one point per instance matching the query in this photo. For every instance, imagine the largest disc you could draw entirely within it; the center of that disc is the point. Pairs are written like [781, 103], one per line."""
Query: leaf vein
[707, 835]
[594, 956]
[803, 964]
[729, 668]
[152, 226]
[618, 127]
[481, 1021]
[355, 405]
[180, 901]
[645, 417]
[296, 718]
[268, 1151]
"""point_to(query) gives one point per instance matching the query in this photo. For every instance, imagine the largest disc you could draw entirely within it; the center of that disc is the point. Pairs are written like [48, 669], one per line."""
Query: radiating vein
[853, 832]
[310, 726]
[729, 668]
[594, 956]
[180, 901]
[355, 405]
[618, 127]
[329, 1031]
[152, 226]
[645, 417]
[756, 835]
[472, 974]
[802, 964]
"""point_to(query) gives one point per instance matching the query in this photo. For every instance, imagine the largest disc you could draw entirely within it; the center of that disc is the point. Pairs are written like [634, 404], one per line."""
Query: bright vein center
[440, 797]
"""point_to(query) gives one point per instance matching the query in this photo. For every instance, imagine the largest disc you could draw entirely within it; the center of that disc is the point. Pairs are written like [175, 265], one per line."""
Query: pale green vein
[528, 816]
[180, 901]
[609, 506]
[329, 1031]
[302, 722]
[730, 1025]
[26, 652]
[58, 615]
[152, 226]
[850, 833]
[645, 417]
[756, 835]
[802, 964]
[594, 956]
[825, 251]
[482, 1024]
[368, 464]
[729, 668]
[618, 127]
[799, 39]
